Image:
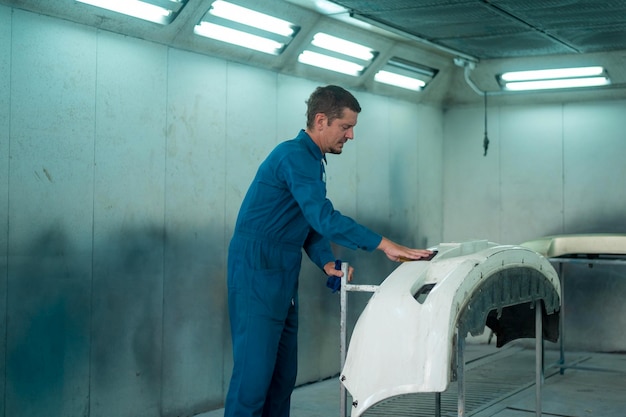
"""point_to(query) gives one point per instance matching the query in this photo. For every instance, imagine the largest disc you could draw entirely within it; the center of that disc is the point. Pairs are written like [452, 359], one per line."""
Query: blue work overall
[284, 211]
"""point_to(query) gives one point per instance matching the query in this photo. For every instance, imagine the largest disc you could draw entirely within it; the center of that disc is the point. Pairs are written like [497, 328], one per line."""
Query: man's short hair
[330, 100]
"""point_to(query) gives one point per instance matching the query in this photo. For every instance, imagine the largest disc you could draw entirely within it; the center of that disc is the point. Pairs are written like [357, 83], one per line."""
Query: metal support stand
[343, 328]
[539, 364]
[538, 356]
[615, 262]
[460, 372]
[562, 323]
[343, 295]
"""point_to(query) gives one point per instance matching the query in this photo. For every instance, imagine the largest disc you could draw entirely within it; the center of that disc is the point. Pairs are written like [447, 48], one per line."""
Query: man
[284, 211]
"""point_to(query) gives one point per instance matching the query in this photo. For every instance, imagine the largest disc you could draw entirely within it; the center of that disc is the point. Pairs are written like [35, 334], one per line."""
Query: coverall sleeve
[317, 247]
[303, 177]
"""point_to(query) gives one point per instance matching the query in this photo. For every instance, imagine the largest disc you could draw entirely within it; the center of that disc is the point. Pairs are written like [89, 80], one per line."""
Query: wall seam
[562, 167]
[6, 293]
[500, 145]
[93, 223]
[164, 233]
[224, 229]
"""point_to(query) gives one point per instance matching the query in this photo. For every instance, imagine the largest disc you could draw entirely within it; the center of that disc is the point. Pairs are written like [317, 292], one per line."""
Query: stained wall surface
[122, 167]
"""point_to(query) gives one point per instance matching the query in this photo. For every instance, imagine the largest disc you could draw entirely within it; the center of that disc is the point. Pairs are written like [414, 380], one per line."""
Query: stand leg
[460, 366]
[538, 356]
[343, 401]
[562, 321]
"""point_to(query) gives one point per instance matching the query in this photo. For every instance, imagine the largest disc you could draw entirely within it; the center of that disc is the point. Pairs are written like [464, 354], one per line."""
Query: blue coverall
[284, 210]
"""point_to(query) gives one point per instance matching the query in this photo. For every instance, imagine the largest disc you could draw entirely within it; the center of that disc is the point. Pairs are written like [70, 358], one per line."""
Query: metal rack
[561, 272]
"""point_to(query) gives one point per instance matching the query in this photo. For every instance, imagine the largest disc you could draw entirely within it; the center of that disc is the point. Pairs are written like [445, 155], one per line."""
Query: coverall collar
[311, 146]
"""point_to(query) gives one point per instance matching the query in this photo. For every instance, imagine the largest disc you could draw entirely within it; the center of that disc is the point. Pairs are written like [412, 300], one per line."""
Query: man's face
[338, 132]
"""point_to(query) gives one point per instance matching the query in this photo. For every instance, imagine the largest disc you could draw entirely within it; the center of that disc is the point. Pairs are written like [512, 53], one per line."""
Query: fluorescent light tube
[133, 8]
[399, 80]
[252, 18]
[330, 63]
[562, 83]
[552, 74]
[594, 76]
[237, 37]
[332, 43]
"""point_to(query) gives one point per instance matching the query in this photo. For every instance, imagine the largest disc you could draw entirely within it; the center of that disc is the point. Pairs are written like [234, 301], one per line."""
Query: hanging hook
[486, 139]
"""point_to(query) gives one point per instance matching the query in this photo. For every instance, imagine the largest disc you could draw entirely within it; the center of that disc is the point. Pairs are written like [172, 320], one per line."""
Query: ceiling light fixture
[147, 10]
[228, 22]
[252, 18]
[554, 78]
[237, 37]
[405, 74]
[342, 46]
[336, 54]
[330, 63]
[398, 80]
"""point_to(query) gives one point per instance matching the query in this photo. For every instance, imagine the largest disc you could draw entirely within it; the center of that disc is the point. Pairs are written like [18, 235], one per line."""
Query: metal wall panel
[128, 232]
[372, 144]
[422, 190]
[50, 216]
[471, 187]
[594, 199]
[556, 169]
[428, 227]
[291, 104]
[5, 89]
[250, 131]
[195, 248]
[594, 171]
[531, 173]
[407, 139]
[549, 169]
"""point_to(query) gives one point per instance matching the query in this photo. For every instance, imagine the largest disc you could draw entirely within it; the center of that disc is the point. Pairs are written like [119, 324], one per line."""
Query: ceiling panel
[503, 28]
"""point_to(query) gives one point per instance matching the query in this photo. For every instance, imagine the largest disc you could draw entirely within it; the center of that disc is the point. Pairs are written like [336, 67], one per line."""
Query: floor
[499, 383]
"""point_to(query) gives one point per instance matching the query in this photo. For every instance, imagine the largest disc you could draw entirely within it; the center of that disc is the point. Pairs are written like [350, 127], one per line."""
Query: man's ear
[320, 121]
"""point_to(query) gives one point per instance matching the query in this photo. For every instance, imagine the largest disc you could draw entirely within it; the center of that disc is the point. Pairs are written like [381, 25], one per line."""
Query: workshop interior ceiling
[498, 35]
[503, 28]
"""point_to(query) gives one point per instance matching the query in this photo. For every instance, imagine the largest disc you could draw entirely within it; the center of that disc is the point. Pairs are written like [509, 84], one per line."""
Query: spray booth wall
[550, 169]
[122, 167]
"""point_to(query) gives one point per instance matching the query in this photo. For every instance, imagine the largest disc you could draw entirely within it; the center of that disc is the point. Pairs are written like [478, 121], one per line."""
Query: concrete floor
[578, 392]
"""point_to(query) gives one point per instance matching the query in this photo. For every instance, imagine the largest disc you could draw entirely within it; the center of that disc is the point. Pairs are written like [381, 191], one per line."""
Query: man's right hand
[399, 253]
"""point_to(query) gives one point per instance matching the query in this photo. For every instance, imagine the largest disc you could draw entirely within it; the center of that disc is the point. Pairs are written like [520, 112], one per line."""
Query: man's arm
[318, 249]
